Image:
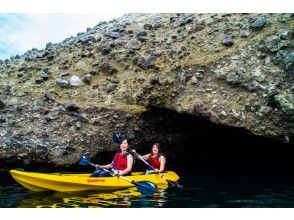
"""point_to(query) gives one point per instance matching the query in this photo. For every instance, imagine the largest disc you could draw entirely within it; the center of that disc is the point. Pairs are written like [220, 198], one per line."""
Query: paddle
[144, 187]
[170, 183]
[117, 139]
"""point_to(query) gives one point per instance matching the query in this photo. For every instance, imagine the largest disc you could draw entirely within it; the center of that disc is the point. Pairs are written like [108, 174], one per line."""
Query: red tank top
[154, 162]
[120, 161]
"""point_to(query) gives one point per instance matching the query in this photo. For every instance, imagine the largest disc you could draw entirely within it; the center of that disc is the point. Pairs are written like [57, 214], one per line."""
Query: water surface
[199, 190]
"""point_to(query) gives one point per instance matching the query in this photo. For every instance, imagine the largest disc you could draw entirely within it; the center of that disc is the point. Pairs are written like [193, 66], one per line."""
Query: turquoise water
[199, 190]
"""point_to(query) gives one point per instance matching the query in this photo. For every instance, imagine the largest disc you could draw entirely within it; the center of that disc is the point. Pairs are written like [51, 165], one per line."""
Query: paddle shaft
[141, 158]
[131, 181]
[148, 164]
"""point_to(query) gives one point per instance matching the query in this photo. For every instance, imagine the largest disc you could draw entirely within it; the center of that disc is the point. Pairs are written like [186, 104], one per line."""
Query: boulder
[227, 41]
[258, 24]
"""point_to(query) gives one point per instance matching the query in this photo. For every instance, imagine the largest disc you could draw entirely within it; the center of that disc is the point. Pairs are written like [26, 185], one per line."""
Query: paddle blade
[85, 160]
[173, 184]
[116, 138]
[146, 187]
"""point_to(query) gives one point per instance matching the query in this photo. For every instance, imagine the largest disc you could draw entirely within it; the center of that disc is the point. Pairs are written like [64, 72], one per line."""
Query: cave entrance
[195, 144]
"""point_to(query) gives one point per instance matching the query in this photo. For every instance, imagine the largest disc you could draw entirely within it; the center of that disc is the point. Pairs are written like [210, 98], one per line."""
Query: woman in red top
[121, 165]
[155, 159]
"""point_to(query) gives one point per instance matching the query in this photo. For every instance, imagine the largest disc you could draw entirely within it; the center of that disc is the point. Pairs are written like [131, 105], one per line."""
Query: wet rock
[232, 78]
[258, 24]
[19, 108]
[274, 43]
[194, 80]
[81, 65]
[110, 87]
[2, 120]
[154, 79]
[72, 107]
[142, 39]
[8, 89]
[254, 86]
[88, 40]
[49, 96]
[128, 116]
[113, 34]
[107, 68]
[157, 25]
[227, 41]
[2, 104]
[39, 80]
[49, 45]
[285, 34]
[201, 110]
[223, 114]
[286, 139]
[75, 81]
[285, 102]
[87, 79]
[96, 62]
[263, 110]
[196, 28]
[169, 41]
[244, 34]
[289, 63]
[148, 26]
[82, 118]
[42, 76]
[149, 62]
[135, 44]
[186, 20]
[20, 74]
[105, 49]
[199, 75]
[51, 116]
[62, 83]
[23, 68]
[60, 108]
[78, 125]
[182, 77]
[142, 36]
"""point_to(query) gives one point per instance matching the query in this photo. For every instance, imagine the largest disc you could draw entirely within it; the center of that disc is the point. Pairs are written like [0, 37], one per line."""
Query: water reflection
[199, 191]
[122, 198]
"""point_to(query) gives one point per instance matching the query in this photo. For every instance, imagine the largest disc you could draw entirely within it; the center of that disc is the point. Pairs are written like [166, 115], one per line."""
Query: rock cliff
[67, 99]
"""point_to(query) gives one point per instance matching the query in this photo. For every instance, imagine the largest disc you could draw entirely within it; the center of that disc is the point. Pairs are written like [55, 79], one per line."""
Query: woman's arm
[145, 157]
[129, 166]
[162, 164]
[107, 166]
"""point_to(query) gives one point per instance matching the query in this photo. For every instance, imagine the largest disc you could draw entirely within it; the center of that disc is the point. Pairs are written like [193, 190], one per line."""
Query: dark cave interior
[200, 145]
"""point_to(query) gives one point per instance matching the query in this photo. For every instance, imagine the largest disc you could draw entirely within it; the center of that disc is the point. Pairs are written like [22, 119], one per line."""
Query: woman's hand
[97, 166]
[156, 170]
[115, 173]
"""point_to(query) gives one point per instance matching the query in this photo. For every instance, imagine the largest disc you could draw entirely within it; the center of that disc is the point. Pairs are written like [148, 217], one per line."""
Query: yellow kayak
[81, 182]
